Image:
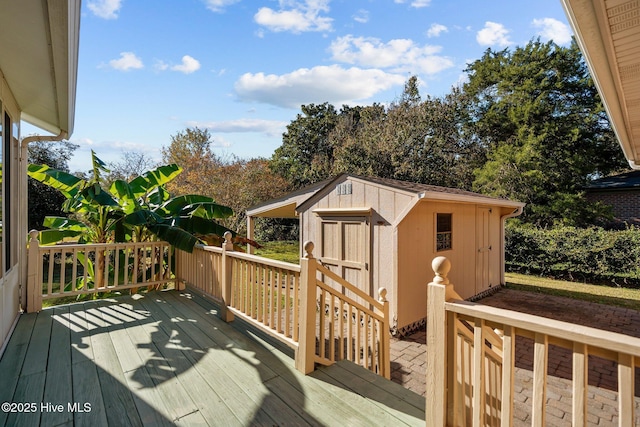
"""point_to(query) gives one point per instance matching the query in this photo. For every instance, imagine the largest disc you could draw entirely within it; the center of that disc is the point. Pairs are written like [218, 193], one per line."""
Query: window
[443, 231]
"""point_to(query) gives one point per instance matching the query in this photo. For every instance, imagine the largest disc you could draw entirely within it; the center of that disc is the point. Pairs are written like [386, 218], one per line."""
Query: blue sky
[241, 68]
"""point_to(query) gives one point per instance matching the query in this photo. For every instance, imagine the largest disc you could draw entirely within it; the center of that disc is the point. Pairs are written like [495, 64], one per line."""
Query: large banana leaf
[64, 223]
[199, 225]
[194, 205]
[67, 184]
[125, 196]
[176, 205]
[154, 178]
[208, 210]
[175, 236]
[50, 237]
[96, 195]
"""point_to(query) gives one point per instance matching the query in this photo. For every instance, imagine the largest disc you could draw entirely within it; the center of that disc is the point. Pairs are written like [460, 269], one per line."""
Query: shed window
[443, 231]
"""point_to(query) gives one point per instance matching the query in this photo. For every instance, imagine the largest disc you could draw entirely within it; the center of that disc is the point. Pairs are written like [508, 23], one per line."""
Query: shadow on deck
[165, 359]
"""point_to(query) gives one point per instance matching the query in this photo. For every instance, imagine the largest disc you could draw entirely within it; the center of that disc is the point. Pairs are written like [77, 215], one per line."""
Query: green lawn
[287, 251]
[623, 297]
[609, 295]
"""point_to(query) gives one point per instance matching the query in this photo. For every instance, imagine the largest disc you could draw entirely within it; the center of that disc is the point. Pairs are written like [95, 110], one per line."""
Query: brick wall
[626, 204]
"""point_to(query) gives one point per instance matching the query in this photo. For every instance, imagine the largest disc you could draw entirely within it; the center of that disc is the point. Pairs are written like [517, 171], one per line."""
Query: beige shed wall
[417, 248]
[386, 205]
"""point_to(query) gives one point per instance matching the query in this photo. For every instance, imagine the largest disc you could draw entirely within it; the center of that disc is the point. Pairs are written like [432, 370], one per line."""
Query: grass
[608, 295]
[287, 251]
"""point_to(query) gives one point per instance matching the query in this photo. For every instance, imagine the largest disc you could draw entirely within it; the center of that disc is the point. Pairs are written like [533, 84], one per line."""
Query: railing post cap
[441, 266]
[34, 234]
[382, 294]
[227, 236]
[308, 248]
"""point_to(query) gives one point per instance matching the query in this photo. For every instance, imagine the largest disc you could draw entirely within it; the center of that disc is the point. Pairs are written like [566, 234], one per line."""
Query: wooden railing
[471, 367]
[343, 328]
[67, 270]
[294, 303]
[201, 269]
[300, 309]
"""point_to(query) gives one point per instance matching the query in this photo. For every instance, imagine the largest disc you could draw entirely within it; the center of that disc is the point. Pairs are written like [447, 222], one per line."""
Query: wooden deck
[167, 359]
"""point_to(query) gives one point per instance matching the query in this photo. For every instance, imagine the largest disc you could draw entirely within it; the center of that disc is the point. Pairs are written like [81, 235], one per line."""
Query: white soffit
[39, 59]
[608, 32]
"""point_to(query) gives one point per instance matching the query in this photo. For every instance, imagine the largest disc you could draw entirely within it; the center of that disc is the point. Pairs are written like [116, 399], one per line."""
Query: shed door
[344, 249]
[483, 239]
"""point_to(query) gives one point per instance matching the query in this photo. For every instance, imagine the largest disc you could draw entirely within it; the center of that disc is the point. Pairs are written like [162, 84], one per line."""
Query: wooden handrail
[470, 373]
[568, 331]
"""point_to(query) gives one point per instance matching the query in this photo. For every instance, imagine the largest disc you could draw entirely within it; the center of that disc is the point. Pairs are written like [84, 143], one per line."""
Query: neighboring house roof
[297, 201]
[624, 181]
[39, 59]
[608, 33]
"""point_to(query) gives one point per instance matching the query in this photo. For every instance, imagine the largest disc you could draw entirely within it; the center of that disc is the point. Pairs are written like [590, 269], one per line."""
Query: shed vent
[344, 188]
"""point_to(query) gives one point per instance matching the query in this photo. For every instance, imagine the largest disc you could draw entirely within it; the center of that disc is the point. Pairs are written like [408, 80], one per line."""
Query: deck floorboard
[166, 358]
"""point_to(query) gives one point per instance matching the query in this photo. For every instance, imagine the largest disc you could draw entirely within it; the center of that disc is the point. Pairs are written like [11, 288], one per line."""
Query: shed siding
[386, 204]
[416, 250]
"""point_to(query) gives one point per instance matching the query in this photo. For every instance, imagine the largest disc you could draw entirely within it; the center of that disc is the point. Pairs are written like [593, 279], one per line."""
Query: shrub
[593, 255]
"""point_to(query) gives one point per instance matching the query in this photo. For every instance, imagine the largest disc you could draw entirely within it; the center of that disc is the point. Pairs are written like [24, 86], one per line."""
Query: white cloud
[362, 16]
[436, 29]
[398, 55]
[189, 65]
[107, 9]
[416, 3]
[493, 34]
[268, 127]
[219, 5]
[296, 17]
[552, 29]
[332, 84]
[127, 61]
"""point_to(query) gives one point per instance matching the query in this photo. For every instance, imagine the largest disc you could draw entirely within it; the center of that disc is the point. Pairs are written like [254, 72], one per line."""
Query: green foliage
[42, 199]
[539, 115]
[128, 211]
[306, 155]
[589, 254]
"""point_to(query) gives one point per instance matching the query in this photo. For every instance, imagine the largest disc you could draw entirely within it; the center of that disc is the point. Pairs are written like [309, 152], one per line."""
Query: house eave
[39, 60]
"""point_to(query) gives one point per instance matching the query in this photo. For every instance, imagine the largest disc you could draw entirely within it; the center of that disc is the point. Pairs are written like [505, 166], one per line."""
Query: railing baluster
[508, 375]
[540, 353]
[626, 377]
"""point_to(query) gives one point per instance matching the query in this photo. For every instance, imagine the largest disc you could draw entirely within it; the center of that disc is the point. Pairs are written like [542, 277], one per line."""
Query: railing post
[439, 350]
[385, 344]
[34, 265]
[227, 246]
[179, 259]
[305, 355]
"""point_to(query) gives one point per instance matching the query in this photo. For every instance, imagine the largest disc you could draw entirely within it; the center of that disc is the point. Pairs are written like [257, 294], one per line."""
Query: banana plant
[128, 211]
[133, 211]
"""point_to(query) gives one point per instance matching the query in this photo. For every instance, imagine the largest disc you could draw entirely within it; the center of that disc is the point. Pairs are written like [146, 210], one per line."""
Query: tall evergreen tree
[537, 112]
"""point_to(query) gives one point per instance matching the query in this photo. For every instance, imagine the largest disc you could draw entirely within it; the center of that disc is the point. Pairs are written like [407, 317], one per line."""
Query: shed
[378, 232]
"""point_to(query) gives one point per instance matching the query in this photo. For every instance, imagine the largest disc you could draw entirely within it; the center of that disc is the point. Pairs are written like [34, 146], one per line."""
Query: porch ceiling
[608, 32]
[39, 59]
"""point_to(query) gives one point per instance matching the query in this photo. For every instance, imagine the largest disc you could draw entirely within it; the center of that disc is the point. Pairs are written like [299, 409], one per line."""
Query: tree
[42, 199]
[130, 165]
[539, 115]
[191, 149]
[306, 155]
[412, 140]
